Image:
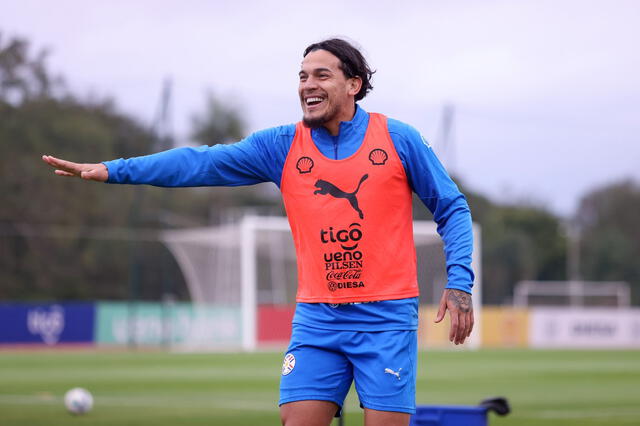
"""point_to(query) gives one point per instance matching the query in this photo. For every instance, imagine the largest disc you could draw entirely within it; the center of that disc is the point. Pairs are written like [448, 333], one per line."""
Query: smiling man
[346, 178]
[326, 96]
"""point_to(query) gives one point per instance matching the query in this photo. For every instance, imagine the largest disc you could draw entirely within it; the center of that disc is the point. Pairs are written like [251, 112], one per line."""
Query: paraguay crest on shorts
[288, 364]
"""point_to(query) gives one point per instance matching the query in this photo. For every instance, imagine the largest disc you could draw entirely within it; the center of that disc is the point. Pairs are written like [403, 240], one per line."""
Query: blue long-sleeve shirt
[260, 158]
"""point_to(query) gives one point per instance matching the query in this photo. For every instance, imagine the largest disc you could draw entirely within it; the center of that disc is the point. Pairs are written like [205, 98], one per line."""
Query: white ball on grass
[78, 401]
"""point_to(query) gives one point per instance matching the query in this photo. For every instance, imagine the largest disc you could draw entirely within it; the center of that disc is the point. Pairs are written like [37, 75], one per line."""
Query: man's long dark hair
[352, 63]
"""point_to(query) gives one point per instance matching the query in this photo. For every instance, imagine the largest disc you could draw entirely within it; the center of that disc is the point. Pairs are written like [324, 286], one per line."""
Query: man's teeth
[313, 100]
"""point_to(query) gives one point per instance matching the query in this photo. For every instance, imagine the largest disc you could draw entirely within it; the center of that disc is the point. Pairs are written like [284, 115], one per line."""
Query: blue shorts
[321, 365]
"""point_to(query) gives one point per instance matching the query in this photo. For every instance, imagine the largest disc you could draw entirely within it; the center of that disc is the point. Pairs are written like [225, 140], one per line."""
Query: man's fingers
[471, 322]
[454, 325]
[49, 160]
[97, 172]
[458, 303]
[52, 161]
[68, 166]
[462, 328]
[63, 165]
[466, 319]
[441, 310]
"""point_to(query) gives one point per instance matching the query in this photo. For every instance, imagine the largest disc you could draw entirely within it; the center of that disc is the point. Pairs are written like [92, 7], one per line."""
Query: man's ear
[355, 84]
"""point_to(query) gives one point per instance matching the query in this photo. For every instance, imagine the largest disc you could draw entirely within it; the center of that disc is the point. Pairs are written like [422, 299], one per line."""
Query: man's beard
[319, 121]
[314, 123]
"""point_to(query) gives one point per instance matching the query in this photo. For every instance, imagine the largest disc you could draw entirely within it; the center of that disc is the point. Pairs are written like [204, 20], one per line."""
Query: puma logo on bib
[326, 187]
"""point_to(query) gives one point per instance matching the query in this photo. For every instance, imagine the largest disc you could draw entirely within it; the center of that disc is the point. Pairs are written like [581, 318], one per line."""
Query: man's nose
[309, 83]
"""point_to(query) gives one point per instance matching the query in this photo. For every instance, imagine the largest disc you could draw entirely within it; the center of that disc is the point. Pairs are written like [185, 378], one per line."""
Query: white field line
[154, 373]
[586, 414]
[149, 402]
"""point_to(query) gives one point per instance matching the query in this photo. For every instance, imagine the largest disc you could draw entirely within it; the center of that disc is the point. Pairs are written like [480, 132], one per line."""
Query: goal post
[425, 234]
[252, 263]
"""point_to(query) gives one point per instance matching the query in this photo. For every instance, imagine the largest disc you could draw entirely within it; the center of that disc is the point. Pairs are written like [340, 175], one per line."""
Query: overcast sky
[546, 93]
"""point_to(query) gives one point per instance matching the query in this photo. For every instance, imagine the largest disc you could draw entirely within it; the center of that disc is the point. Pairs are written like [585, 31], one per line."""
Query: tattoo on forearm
[460, 299]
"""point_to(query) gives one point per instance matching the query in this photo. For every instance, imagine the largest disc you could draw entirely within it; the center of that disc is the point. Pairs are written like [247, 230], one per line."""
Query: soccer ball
[78, 401]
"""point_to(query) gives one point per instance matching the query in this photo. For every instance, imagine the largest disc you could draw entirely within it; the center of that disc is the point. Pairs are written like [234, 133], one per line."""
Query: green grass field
[154, 388]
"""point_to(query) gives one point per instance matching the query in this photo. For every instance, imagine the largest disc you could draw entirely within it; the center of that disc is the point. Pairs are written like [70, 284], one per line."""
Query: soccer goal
[573, 293]
[250, 266]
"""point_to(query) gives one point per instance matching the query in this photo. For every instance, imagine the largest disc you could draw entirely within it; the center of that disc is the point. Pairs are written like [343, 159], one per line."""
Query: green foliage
[520, 243]
[221, 122]
[49, 245]
[610, 236]
[54, 238]
[24, 78]
[66, 239]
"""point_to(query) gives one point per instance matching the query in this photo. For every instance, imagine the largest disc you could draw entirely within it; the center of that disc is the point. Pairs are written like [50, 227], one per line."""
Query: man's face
[326, 95]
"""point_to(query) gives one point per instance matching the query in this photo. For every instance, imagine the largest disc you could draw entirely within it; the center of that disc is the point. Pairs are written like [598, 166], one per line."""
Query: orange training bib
[351, 220]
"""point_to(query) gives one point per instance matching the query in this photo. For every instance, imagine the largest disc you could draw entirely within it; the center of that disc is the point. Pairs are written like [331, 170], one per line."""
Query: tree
[49, 247]
[519, 242]
[610, 235]
[23, 78]
[220, 122]
[67, 239]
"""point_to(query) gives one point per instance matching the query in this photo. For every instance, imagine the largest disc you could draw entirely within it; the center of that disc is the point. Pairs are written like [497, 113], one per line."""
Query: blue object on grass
[456, 415]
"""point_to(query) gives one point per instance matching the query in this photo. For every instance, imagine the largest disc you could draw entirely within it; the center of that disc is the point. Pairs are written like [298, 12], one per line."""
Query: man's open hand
[97, 172]
[460, 311]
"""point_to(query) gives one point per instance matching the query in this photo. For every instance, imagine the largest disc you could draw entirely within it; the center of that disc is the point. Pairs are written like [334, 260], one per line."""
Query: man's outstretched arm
[258, 158]
[97, 172]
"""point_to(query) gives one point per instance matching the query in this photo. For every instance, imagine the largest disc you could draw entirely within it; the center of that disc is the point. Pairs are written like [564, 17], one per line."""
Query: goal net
[250, 266]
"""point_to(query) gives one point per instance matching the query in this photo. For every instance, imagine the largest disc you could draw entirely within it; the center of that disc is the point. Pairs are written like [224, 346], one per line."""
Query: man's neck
[333, 127]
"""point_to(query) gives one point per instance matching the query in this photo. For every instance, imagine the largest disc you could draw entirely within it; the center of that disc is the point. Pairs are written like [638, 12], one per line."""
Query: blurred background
[532, 106]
